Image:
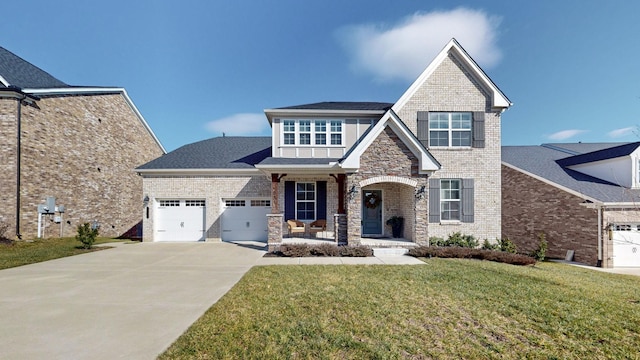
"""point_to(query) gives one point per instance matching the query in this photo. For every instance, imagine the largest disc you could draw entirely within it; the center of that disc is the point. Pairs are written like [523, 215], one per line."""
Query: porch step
[381, 252]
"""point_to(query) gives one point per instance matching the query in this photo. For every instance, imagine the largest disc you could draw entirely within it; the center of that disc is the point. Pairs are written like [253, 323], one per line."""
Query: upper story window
[450, 129]
[289, 132]
[312, 132]
[336, 132]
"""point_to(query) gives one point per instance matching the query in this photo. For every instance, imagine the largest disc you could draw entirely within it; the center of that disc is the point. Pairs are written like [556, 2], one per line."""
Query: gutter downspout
[18, 168]
[600, 237]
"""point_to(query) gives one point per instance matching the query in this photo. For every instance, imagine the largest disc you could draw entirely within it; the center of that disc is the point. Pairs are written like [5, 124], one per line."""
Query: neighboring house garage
[583, 197]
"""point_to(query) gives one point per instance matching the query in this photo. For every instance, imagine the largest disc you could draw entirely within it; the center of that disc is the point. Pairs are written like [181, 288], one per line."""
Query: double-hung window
[305, 132]
[450, 195]
[305, 201]
[321, 132]
[312, 132]
[289, 132]
[336, 132]
[450, 129]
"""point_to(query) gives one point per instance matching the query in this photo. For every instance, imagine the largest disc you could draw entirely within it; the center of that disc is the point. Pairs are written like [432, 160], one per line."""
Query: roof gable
[498, 99]
[427, 163]
[600, 155]
[15, 71]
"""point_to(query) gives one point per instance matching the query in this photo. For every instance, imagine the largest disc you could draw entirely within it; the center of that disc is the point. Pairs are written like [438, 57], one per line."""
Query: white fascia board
[4, 81]
[499, 100]
[191, 172]
[427, 164]
[276, 113]
[97, 90]
[299, 169]
[557, 186]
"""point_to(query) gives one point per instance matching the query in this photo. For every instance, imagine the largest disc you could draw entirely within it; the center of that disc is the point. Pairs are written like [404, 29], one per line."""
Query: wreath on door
[372, 200]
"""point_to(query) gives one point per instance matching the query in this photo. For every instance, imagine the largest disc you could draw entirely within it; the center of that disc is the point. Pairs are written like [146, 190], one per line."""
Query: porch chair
[295, 226]
[317, 226]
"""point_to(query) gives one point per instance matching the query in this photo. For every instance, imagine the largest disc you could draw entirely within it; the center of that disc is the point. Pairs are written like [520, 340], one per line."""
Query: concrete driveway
[130, 302]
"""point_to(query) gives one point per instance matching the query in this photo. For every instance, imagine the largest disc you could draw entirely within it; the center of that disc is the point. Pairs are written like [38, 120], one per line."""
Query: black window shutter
[478, 130]
[467, 200]
[434, 200]
[423, 128]
[321, 201]
[289, 200]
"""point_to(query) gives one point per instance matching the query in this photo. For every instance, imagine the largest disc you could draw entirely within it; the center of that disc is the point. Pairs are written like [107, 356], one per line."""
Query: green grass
[26, 252]
[446, 309]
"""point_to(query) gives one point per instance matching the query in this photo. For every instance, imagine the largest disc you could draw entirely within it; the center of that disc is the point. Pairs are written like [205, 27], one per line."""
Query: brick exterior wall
[388, 156]
[451, 88]
[8, 149]
[82, 150]
[531, 207]
[211, 188]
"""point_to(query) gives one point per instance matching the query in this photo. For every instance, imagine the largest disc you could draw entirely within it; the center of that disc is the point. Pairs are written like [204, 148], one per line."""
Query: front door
[371, 212]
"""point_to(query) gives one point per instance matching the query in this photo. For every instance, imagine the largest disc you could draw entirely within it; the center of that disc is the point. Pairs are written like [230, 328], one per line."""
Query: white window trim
[327, 132]
[450, 131]
[443, 200]
[315, 200]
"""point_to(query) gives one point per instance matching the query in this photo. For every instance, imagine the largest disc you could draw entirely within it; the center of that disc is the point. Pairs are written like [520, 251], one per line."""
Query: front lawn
[448, 308]
[26, 252]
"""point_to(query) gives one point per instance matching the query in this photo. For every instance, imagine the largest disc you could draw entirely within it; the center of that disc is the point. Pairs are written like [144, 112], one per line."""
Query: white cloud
[404, 50]
[622, 132]
[239, 124]
[565, 134]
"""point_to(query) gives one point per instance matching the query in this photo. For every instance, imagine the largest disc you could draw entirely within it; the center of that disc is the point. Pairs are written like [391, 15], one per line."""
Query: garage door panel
[245, 219]
[626, 248]
[179, 222]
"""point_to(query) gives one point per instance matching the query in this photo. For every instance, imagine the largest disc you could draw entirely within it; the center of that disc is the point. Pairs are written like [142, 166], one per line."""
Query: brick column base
[274, 224]
[340, 228]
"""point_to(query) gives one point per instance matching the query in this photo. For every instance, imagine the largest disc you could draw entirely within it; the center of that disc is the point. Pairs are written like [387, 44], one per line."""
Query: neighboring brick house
[583, 197]
[77, 144]
[432, 157]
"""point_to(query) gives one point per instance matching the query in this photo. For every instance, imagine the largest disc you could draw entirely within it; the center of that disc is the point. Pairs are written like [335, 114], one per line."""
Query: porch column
[354, 211]
[421, 206]
[340, 180]
[340, 228]
[275, 195]
[274, 237]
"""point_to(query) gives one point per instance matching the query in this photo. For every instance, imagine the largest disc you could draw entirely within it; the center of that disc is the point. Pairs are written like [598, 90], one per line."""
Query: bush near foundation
[306, 250]
[467, 253]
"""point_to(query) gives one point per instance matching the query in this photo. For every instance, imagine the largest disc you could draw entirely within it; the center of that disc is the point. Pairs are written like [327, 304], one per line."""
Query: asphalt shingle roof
[543, 161]
[230, 152]
[22, 74]
[608, 153]
[342, 105]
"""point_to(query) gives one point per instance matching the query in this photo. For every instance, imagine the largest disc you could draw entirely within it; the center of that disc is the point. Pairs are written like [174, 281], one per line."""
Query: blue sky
[196, 69]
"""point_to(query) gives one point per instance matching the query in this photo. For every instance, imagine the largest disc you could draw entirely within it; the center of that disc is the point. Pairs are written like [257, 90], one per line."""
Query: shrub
[541, 251]
[356, 251]
[468, 253]
[486, 245]
[507, 245]
[4, 228]
[87, 235]
[305, 250]
[455, 239]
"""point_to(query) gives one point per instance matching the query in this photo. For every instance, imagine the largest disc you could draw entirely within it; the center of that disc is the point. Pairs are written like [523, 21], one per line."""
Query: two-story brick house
[432, 157]
[77, 144]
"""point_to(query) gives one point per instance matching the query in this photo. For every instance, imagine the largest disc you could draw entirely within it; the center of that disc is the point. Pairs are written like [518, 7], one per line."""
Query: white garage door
[626, 246]
[180, 220]
[245, 219]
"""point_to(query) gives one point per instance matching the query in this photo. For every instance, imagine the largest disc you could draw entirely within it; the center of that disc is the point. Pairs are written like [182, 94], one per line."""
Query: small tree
[541, 251]
[87, 235]
[507, 245]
